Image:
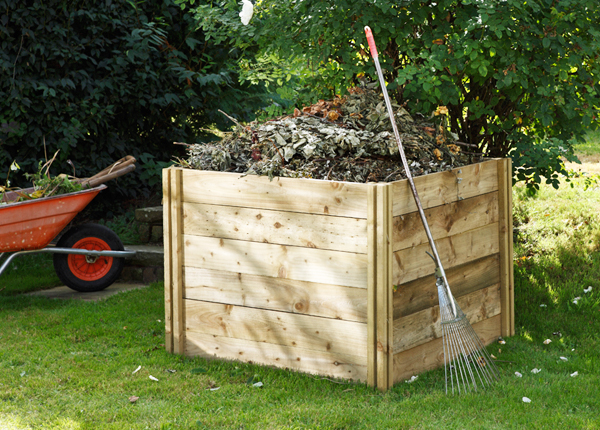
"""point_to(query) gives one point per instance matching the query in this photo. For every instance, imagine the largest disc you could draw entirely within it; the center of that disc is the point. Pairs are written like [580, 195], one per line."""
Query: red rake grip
[371, 41]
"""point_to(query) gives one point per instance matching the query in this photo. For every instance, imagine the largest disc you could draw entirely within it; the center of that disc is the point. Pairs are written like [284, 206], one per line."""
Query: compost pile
[345, 139]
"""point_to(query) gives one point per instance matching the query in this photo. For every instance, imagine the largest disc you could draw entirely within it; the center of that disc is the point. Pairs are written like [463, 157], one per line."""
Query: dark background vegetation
[99, 80]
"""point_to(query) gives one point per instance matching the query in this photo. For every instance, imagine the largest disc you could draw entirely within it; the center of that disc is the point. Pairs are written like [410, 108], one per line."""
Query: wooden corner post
[380, 308]
[173, 248]
[505, 236]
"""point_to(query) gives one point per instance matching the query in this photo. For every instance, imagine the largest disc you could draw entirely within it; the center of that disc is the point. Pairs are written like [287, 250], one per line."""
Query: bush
[519, 78]
[98, 80]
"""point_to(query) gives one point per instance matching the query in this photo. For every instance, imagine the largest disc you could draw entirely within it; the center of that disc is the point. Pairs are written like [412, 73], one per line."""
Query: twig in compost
[233, 119]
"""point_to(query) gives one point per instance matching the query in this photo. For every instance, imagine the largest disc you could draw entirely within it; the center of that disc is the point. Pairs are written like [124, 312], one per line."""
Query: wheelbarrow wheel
[83, 273]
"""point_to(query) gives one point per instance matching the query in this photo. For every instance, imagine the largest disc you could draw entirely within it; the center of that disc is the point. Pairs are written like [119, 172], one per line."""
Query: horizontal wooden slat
[424, 326]
[447, 220]
[310, 361]
[301, 264]
[414, 263]
[280, 328]
[278, 227]
[421, 293]
[430, 355]
[289, 194]
[331, 301]
[446, 187]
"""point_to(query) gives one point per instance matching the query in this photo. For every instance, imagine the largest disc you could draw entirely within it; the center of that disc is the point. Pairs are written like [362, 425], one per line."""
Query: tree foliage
[519, 78]
[101, 79]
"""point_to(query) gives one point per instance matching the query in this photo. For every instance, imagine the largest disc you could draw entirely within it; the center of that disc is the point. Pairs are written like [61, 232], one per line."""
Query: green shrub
[102, 79]
[519, 79]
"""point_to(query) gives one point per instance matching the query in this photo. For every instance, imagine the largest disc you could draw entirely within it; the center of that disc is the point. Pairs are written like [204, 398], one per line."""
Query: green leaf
[546, 42]
[483, 70]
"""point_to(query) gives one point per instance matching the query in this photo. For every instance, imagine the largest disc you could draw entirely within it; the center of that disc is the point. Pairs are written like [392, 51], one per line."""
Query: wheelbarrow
[87, 257]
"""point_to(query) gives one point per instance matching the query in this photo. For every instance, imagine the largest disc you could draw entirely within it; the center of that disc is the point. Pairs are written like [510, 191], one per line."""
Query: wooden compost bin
[332, 278]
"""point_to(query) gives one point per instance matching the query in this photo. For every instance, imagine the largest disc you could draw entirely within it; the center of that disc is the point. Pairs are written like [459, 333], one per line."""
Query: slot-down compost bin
[332, 278]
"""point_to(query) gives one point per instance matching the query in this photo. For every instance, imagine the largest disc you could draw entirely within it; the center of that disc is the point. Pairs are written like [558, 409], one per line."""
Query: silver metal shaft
[436, 256]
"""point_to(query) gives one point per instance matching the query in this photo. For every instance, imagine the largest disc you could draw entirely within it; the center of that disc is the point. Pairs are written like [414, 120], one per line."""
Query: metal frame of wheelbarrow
[93, 255]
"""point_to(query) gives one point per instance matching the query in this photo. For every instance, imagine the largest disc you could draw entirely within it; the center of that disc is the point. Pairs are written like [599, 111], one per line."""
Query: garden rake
[466, 360]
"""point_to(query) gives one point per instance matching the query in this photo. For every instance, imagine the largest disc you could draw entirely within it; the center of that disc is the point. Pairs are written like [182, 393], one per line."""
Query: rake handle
[388, 103]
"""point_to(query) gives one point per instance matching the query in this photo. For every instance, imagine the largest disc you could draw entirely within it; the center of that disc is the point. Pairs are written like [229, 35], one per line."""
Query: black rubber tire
[67, 266]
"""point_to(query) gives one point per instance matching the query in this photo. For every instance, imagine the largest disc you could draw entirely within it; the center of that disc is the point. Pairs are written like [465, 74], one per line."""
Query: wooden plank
[177, 257]
[505, 237]
[430, 355]
[372, 286]
[422, 294]
[278, 227]
[288, 194]
[166, 184]
[414, 263]
[445, 187]
[384, 287]
[330, 301]
[264, 259]
[280, 328]
[424, 326]
[444, 221]
[310, 361]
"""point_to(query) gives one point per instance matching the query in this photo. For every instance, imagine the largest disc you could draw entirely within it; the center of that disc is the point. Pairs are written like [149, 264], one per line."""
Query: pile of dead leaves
[345, 139]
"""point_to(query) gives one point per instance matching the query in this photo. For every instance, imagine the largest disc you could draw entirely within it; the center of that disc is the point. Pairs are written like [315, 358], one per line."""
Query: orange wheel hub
[90, 268]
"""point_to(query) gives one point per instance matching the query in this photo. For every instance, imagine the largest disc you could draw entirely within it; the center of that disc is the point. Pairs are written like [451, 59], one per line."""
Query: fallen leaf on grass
[153, 378]
[136, 370]
[526, 400]
[133, 399]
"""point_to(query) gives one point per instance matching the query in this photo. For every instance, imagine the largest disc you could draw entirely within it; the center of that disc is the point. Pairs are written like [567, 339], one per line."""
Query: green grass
[591, 146]
[28, 273]
[70, 364]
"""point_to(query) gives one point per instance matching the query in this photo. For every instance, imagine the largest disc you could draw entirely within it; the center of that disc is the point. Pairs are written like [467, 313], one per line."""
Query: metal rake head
[467, 363]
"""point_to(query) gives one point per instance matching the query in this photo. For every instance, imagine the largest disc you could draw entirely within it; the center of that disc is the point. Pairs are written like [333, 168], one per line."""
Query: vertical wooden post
[176, 254]
[166, 188]
[505, 227]
[384, 301]
[372, 285]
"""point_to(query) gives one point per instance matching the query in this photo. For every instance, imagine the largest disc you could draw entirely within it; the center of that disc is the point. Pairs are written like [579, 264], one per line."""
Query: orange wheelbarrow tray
[87, 258]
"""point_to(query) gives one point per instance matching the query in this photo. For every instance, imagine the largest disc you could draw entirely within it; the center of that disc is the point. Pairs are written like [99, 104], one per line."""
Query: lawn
[74, 365]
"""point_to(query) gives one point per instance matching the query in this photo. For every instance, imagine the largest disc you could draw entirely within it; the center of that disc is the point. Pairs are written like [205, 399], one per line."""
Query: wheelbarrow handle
[96, 180]
[117, 165]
